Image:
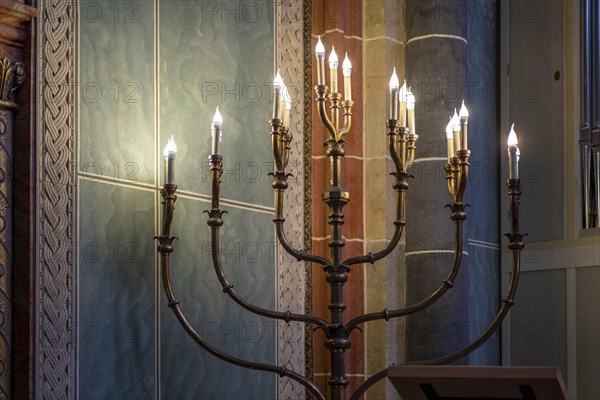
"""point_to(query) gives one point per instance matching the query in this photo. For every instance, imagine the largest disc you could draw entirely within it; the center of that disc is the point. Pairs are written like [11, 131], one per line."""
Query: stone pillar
[12, 75]
[450, 56]
[436, 68]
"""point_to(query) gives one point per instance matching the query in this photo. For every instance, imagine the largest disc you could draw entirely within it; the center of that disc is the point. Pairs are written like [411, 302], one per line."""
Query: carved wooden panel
[291, 273]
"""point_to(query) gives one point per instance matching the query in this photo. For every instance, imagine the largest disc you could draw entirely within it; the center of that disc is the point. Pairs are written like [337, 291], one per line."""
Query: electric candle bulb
[333, 58]
[513, 154]
[216, 132]
[464, 117]
[346, 66]
[463, 110]
[333, 66]
[449, 127]
[217, 118]
[450, 139]
[402, 96]
[410, 107]
[320, 49]
[277, 87]
[169, 154]
[347, 71]
[278, 81]
[394, 86]
[394, 81]
[320, 53]
[512, 137]
[455, 121]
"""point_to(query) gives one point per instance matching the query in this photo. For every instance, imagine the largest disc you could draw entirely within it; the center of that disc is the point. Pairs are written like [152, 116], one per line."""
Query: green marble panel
[117, 292]
[218, 54]
[187, 371]
[116, 89]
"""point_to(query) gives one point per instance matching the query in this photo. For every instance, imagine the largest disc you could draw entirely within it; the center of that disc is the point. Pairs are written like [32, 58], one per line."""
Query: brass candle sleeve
[278, 145]
[347, 118]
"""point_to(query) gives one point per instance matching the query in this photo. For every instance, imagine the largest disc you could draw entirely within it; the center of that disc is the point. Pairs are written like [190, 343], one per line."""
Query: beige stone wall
[383, 49]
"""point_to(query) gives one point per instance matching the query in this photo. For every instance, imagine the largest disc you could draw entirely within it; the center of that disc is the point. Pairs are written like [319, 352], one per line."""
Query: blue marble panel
[538, 320]
[117, 292]
[484, 189]
[116, 90]
[484, 302]
[187, 371]
[218, 54]
[481, 96]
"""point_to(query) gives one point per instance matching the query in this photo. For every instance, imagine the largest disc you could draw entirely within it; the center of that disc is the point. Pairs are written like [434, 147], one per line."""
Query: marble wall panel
[484, 191]
[150, 70]
[188, 372]
[116, 90]
[117, 292]
[219, 54]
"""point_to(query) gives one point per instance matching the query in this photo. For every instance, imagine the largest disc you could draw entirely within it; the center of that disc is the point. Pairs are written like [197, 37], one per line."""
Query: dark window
[590, 111]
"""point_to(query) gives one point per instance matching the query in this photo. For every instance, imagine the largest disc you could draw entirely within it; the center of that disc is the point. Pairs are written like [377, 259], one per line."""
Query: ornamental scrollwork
[12, 76]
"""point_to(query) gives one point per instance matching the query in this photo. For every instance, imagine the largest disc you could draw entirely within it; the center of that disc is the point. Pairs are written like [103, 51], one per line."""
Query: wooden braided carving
[291, 273]
[55, 313]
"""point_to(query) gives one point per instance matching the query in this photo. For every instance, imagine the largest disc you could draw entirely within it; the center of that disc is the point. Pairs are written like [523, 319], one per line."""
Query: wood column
[14, 62]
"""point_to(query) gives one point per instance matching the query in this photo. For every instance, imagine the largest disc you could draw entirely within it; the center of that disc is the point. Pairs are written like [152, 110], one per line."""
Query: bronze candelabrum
[401, 145]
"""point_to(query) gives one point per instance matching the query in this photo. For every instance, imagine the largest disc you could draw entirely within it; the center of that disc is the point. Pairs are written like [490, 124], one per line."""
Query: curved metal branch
[368, 383]
[347, 105]
[507, 302]
[280, 370]
[228, 288]
[320, 90]
[299, 255]
[433, 297]
[401, 186]
[372, 258]
[280, 184]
